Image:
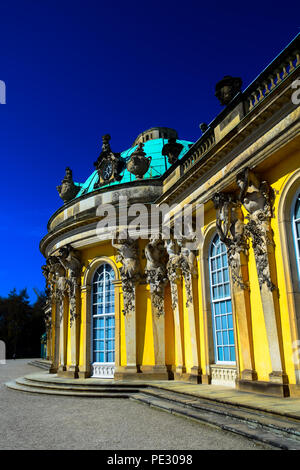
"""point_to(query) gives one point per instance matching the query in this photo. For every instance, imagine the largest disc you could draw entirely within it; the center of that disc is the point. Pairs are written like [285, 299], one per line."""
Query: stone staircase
[272, 429]
[36, 383]
[276, 431]
[41, 363]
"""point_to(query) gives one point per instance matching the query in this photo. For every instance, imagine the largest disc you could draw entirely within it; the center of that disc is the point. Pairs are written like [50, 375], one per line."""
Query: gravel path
[48, 422]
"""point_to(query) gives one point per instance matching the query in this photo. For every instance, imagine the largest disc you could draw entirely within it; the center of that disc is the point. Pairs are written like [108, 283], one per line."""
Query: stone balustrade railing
[199, 149]
[281, 68]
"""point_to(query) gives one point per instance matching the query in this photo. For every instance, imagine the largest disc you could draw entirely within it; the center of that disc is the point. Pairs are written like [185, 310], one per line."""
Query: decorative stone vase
[139, 164]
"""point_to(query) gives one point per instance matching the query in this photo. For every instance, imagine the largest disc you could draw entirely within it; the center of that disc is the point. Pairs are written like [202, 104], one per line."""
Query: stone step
[41, 363]
[95, 384]
[256, 417]
[260, 427]
[74, 393]
[84, 388]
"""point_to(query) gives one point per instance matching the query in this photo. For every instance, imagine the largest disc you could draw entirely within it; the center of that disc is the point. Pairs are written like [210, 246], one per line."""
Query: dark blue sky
[75, 70]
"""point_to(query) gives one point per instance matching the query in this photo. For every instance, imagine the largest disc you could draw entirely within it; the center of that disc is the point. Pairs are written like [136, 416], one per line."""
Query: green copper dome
[159, 164]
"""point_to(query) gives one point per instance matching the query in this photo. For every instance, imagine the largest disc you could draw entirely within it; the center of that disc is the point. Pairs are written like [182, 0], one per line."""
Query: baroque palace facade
[222, 307]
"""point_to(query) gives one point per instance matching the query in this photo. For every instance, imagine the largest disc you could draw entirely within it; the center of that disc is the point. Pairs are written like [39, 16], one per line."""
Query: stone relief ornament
[139, 164]
[109, 165]
[230, 227]
[227, 88]
[67, 190]
[173, 268]
[60, 283]
[156, 272]
[172, 150]
[69, 259]
[258, 197]
[48, 290]
[188, 268]
[130, 271]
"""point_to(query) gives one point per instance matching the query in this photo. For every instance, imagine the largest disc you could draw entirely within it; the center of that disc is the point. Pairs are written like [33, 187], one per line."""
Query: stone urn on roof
[139, 163]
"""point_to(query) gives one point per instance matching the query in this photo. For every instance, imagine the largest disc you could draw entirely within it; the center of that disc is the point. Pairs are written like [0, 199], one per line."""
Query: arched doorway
[103, 322]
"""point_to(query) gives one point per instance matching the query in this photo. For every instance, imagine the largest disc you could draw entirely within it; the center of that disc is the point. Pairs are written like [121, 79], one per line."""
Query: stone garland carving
[57, 283]
[173, 270]
[69, 259]
[49, 294]
[188, 269]
[60, 283]
[230, 227]
[258, 197]
[130, 271]
[156, 272]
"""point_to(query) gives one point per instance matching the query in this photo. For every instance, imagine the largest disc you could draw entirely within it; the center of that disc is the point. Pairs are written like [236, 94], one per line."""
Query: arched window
[296, 231]
[103, 313]
[221, 303]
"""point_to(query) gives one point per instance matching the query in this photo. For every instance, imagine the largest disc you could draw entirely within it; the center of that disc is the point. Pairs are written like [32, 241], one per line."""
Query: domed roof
[159, 164]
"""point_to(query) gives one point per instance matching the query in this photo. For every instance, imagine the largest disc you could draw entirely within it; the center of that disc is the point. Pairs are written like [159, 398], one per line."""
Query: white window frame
[214, 301]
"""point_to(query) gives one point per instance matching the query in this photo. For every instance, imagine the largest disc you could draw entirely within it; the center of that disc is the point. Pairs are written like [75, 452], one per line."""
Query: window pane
[103, 304]
[221, 308]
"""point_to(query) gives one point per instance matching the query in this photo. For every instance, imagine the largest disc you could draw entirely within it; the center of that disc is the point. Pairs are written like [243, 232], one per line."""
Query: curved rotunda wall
[79, 217]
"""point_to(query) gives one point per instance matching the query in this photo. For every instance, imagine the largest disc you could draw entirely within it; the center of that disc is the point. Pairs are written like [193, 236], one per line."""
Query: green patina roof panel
[159, 164]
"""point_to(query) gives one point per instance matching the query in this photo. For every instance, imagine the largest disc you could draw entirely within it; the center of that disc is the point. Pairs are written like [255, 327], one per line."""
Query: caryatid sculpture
[173, 268]
[69, 259]
[230, 227]
[59, 283]
[156, 272]
[257, 197]
[130, 271]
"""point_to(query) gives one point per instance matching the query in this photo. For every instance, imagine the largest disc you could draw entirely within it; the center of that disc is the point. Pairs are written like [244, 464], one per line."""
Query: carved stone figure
[109, 165]
[139, 164]
[188, 268]
[156, 272]
[60, 283]
[227, 88]
[69, 259]
[173, 268]
[130, 270]
[172, 150]
[67, 190]
[258, 197]
[230, 227]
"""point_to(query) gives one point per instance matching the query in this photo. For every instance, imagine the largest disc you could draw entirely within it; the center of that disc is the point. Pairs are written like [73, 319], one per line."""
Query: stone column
[175, 292]
[189, 272]
[231, 229]
[62, 308]
[128, 255]
[73, 368]
[174, 275]
[70, 260]
[156, 276]
[117, 285]
[85, 367]
[258, 197]
[55, 340]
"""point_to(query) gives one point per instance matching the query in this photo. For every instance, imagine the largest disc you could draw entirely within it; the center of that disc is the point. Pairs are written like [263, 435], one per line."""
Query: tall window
[296, 231]
[221, 303]
[103, 310]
